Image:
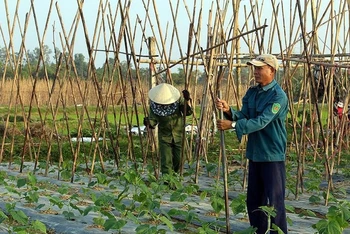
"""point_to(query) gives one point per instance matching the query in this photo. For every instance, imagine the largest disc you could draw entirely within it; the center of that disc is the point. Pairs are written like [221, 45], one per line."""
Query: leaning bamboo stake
[175, 31]
[224, 157]
[127, 41]
[27, 139]
[118, 42]
[115, 147]
[16, 66]
[211, 48]
[327, 165]
[139, 86]
[196, 46]
[42, 59]
[330, 185]
[105, 129]
[66, 45]
[102, 108]
[202, 120]
[100, 111]
[130, 40]
[144, 101]
[187, 68]
[84, 109]
[184, 138]
[160, 33]
[196, 32]
[8, 61]
[94, 70]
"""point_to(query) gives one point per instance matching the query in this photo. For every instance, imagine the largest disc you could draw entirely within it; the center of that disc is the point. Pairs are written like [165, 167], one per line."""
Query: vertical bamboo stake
[224, 165]
[152, 83]
[184, 138]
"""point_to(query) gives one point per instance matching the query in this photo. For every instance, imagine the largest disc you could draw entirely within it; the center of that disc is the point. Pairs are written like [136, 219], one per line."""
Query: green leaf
[203, 195]
[310, 213]
[21, 182]
[75, 196]
[167, 222]
[133, 218]
[178, 196]
[66, 175]
[114, 224]
[205, 229]
[62, 190]
[108, 214]
[276, 228]
[238, 205]
[345, 209]
[269, 210]
[37, 225]
[140, 197]
[328, 227]
[68, 215]
[92, 183]
[217, 203]
[39, 206]
[174, 212]
[99, 221]
[32, 196]
[191, 216]
[10, 206]
[250, 230]
[32, 179]
[146, 229]
[211, 167]
[109, 224]
[20, 229]
[12, 190]
[76, 207]
[3, 216]
[290, 208]
[3, 176]
[314, 199]
[19, 216]
[101, 178]
[56, 201]
[87, 210]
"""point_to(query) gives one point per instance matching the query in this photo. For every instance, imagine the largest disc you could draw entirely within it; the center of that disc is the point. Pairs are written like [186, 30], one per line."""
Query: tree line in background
[80, 63]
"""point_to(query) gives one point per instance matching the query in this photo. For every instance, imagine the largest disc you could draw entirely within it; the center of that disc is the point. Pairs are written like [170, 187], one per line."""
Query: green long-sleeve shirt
[172, 126]
[262, 118]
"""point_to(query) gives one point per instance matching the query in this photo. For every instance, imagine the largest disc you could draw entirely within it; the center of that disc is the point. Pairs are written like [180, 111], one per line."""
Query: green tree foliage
[179, 78]
[81, 65]
[43, 63]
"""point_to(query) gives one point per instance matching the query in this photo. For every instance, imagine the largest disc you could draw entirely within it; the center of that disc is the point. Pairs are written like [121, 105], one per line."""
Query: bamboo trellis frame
[198, 45]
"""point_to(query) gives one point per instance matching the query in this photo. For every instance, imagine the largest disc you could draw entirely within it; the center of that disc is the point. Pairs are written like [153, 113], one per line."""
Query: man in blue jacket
[263, 119]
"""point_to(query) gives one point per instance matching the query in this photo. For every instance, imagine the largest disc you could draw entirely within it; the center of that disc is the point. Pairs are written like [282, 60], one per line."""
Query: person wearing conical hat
[167, 108]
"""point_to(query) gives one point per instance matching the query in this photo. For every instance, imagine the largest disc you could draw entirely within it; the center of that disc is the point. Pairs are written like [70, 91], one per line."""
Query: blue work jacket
[263, 119]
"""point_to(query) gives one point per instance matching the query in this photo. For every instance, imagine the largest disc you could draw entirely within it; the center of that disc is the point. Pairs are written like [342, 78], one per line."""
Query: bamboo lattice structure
[310, 38]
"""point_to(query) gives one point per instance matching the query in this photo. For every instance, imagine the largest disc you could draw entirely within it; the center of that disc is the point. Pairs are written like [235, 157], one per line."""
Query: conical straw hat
[164, 94]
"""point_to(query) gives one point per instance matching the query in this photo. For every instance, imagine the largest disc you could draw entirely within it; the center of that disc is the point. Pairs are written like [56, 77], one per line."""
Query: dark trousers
[266, 187]
[170, 154]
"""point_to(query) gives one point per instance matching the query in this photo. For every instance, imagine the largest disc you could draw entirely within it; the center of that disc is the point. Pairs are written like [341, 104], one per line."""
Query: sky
[146, 27]
[67, 10]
